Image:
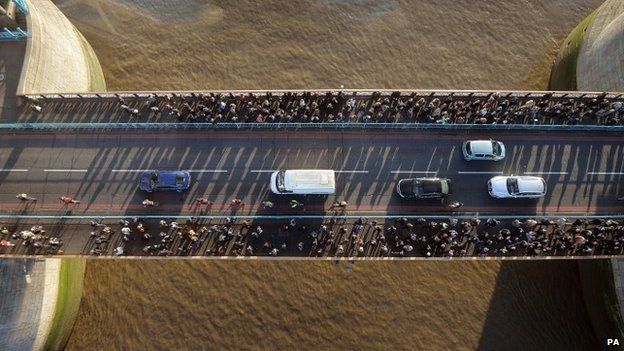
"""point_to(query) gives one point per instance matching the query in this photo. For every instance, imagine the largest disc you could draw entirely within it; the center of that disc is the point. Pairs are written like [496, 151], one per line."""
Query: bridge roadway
[583, 171]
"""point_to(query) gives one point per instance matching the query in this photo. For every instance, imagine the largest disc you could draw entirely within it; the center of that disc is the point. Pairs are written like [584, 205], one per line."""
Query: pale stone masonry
[600, 65]
[28, 296]
[57, 56]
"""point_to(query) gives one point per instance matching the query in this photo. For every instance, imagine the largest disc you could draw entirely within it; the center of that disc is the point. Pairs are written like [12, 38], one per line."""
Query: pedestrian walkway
[365, 237]
[330, 108]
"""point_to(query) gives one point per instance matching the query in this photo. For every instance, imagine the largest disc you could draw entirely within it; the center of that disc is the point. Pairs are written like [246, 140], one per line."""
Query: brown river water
[201, 305]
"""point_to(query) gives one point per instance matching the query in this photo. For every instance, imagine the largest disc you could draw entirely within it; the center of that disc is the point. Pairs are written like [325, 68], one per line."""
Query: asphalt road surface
[583, 171]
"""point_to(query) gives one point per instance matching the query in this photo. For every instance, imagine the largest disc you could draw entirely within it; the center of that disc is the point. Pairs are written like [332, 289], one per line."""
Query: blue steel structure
[17, 34]
[13, 35]
[21, 5]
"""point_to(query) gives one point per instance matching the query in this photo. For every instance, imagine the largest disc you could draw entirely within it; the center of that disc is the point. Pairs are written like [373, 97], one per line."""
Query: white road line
[130, 170]
[410, 172]
[66, 170]
[189, 170]
[271, 171]
[478, 172]
[13, 170]
[208, 171]
[605, 173]
[538, 173]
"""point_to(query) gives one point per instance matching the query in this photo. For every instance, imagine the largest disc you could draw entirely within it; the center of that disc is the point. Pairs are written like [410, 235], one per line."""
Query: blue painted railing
[13, 35]
[461, 216]
[21, 5]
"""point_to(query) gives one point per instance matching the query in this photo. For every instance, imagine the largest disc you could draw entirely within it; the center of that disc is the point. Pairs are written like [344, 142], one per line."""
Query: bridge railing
[400, 109]
[349, 92]
[13, 35]
[302, 126]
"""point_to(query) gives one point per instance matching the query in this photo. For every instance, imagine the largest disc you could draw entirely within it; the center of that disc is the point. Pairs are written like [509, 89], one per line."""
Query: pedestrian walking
[68, 200]
[26, 197]
[237, 203]
[149, 203]
[492, 222]
[341, 204]
[267, 204]
[204, 201]
[455, 205]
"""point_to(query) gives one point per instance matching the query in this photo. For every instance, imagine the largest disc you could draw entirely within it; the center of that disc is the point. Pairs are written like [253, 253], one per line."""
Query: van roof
[309, 179]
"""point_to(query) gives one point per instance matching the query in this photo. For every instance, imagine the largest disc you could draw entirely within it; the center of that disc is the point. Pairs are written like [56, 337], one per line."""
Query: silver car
[483, 150]
[517, 187]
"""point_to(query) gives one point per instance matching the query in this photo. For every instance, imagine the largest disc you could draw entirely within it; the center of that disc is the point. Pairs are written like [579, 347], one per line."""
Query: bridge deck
[583, 172]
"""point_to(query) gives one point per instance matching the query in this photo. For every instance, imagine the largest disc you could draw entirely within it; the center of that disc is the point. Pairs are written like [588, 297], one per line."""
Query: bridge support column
[7, 14]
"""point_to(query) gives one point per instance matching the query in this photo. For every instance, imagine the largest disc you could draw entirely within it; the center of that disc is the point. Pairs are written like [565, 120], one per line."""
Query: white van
[303, 181]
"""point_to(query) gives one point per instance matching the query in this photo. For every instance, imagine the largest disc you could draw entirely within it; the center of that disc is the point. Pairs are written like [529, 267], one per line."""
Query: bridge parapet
[458, 94]
[333, 108]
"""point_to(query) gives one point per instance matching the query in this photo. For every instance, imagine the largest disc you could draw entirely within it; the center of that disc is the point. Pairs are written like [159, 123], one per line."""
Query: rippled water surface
[175, 305]
[192, 44]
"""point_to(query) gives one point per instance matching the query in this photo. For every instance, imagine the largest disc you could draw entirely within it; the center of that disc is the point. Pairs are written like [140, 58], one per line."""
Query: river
[195, 305]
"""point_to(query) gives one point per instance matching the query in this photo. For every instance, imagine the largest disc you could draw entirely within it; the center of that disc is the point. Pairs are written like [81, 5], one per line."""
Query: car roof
[165, 177]
[168, 177]
[431, 186]
[530, 184]
[481, 147]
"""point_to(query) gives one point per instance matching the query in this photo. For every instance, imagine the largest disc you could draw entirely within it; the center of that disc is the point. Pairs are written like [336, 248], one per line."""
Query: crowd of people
[335, 237]
[34, 240]
[492, 108]
[364, 238]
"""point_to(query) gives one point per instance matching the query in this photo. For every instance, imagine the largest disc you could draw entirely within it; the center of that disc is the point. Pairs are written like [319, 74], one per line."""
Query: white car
[483, 150]
[517, 187]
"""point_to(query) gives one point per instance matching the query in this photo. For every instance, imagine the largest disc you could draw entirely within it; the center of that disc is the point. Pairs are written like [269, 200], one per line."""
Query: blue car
[165, 180]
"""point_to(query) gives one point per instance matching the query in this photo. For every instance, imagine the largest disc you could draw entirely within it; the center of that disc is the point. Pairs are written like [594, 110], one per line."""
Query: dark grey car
[424, 188]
